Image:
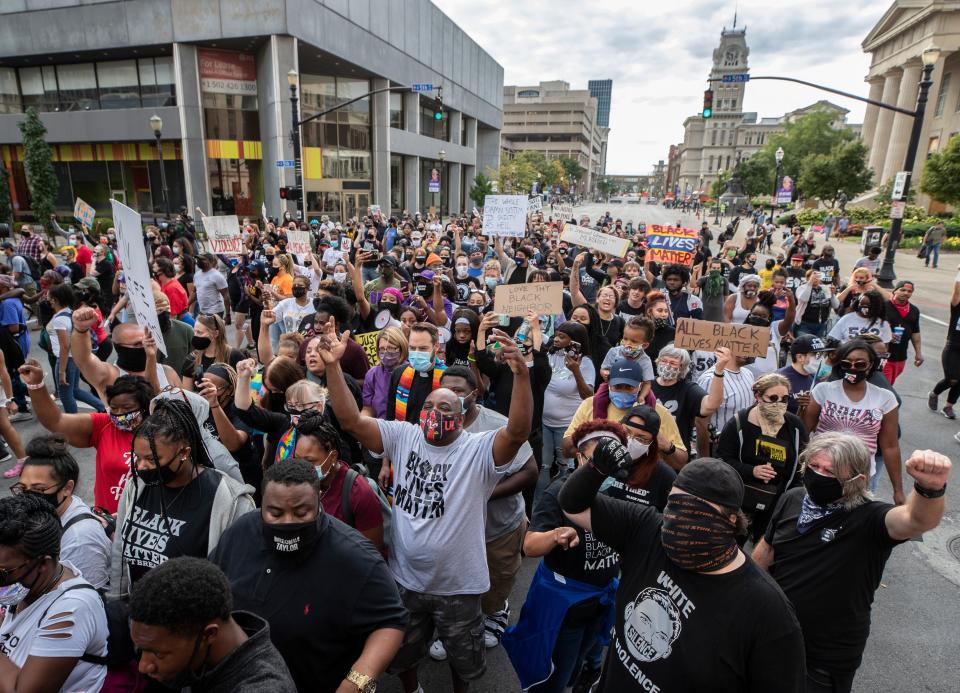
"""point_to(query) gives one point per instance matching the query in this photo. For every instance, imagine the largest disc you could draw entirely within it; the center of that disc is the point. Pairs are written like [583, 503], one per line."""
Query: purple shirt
[376, 386]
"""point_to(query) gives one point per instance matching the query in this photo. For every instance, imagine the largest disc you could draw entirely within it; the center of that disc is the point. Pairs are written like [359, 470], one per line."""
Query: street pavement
[913, 644]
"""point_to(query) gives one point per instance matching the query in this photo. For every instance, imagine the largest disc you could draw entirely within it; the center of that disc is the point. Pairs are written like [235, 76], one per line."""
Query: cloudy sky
[659, 61]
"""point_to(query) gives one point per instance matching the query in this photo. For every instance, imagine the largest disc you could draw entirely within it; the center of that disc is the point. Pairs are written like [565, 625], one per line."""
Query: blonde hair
[394, 337]
[292, 341]
[214, 322]
[769, 380]
[308, 391]
[286, 262]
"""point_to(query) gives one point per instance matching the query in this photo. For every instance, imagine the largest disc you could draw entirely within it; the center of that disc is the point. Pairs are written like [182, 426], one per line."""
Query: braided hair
[30, 524]
[313, 424]
[173, 420]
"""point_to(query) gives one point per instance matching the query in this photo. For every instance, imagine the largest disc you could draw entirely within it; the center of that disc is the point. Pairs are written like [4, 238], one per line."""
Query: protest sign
[562, 212]
[595, 240]
[703, 335]
[223, 234]
[534, 205]
[84, 213]
[368, 340]
[543, 298]
[263, 212]
[298, 242]
[671, 245]
[505, 215]
[136, 271]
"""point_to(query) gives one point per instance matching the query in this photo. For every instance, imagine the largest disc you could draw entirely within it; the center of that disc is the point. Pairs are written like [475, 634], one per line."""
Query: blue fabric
[11, 313]
[530, 643]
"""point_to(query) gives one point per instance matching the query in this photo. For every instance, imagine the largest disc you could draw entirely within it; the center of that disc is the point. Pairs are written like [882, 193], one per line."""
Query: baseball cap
[712, 480]
[626, 372]
[808, 343]
[797, 258]
[89, 283]
[314, 222]
[389, 260]
[7, 244]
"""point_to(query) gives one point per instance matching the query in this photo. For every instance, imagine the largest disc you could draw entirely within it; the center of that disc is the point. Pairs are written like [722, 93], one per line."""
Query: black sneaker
[5, 453]
[587, 679]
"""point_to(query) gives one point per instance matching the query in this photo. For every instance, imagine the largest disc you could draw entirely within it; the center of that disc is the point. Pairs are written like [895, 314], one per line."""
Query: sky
[659, 61]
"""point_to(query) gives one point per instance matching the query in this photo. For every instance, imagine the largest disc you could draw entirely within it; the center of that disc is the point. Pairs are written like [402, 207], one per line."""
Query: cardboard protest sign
[136, 271]
[671, 245]
[534, 205]
[562, 212]
[298, 242]
[505, 215]
[368, 340]
[223, 234]
[84, 213]
[703, 335]
[543, 298]
[595, 240]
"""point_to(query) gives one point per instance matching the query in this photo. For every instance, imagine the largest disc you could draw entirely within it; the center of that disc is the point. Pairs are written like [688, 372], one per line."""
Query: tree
[719, 185]
[845, 168]
[885, 193]
[757, 174]
[572, 169]
[941, 175]
[6, 204]
[608, 186]
[482, 186]
[38, 166]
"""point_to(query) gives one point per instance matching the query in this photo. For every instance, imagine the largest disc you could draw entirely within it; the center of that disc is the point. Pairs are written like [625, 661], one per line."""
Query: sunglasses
[774, 399]
[4, 572]
[855, 365]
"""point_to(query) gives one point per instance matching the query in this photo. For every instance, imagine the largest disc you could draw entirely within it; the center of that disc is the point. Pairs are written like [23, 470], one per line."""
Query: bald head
[128, 334]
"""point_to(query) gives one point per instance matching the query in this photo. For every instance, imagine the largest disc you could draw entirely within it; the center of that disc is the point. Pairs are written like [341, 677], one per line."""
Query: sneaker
[490, 640]
[21, 416]
[933, 401]
[14, 471]
[5, 453]
[948, 412]
[494, 625]
[437, 652]
[586, 680]
[956, 436]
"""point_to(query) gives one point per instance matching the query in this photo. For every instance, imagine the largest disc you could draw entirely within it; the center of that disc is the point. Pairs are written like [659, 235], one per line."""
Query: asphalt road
[913, 645]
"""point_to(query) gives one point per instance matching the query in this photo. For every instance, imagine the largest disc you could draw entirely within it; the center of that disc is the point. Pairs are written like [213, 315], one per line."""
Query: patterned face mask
[437, 426]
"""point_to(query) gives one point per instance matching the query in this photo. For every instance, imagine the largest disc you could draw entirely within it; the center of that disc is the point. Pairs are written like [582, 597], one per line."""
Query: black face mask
[199, 342]
[131, 359]
[50, 497]
[163, 319]
[292, 538]
[696, 536]
[660, 323]
[393, 308]
[823, 490]
[851, 376]
[159, 476]
[188, 678]
[757, 321]
[299, 291]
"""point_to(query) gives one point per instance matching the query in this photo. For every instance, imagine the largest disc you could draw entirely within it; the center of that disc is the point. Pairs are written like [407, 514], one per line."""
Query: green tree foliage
[941, 175]
[38, 166]
[719, 186]
[757, 174]
[608, 186]
[6, 204]
[482, 186]
[572, 169]
[885, 191]
[845, 168]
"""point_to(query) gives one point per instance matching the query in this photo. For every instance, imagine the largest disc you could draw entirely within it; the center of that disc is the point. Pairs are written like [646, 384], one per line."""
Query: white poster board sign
[595, 240]
[505, 215]
[534, 205]
[298, 242]
[563, 212]
[223, 235]
[136, 270]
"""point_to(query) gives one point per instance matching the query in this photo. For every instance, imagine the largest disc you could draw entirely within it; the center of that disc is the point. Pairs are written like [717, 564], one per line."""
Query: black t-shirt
[626, 310]
[319, 617]
[818, 306]
[782, 450]
[421, 386]
[247, 455]
[612, 329]
[678, 630]
[795, 278]
[829, 268]
[463, 287]
[661, 337]
[654, 493]
[155, 532]
[590, 561]
[910, 324]
[800, 384]
[190, 369]
[682, 399]
[105, 279]
[830, 574]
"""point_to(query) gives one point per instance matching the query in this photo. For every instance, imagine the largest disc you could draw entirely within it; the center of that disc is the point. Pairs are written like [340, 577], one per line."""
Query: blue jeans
[71, 392]
[552, 452]
[933, 251]
[573, 643]
[369, 272]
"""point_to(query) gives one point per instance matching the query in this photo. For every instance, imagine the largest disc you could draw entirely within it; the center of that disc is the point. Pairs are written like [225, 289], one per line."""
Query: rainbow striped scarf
[406, 382]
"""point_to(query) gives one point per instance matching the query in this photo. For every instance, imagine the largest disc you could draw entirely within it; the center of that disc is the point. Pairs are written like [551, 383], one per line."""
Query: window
[78, 87]
[528, 93]
[713, 138]
[710, 167]
[9, 93]
[942, 95]
[358, 112]
[396, 183]
[156, 82]
[396, 110]
[119, 84]
[38, 86]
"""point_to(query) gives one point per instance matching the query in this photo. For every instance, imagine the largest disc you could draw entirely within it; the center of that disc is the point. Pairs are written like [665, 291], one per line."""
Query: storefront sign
[227, 72]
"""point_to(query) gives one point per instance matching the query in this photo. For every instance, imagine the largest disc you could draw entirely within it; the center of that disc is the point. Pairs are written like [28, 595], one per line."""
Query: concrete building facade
[895, 45]
[555, 120]
[216, 72]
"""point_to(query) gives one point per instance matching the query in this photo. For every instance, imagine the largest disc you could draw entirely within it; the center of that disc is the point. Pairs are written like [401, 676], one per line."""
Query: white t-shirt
[331, 257]
[737, 394]
[208, 286]
[20, 635]
[852, 325]
[770, 362]
[60, 321]
[439, 509]
[85, 544]
[561, 398]
[289, 314]
[841, 414]
[616, 353]
[700, 361]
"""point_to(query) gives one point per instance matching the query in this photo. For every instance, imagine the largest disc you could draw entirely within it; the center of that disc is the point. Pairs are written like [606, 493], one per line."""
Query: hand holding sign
[703, 335]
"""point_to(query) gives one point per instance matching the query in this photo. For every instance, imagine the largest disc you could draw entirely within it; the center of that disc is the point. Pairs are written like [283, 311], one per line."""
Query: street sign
[422, 87]
[286, 163]
[728, 79]
[896, 209]
[899, 184]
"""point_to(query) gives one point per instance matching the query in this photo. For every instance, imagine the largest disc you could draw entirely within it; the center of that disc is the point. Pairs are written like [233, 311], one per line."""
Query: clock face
[732, 56]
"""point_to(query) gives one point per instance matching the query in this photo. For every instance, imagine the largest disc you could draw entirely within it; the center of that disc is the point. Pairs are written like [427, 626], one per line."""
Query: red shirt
[113, 461]
[363, 502]
[84, 257]
[177, 296]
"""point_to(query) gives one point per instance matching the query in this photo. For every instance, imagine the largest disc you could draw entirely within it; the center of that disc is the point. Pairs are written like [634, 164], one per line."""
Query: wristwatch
[364, 683]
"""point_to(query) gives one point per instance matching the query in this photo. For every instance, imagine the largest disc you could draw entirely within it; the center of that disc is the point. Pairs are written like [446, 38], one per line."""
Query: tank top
[739, 312]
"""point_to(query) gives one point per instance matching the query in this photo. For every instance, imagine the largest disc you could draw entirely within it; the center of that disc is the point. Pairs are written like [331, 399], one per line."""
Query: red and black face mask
[437, 426]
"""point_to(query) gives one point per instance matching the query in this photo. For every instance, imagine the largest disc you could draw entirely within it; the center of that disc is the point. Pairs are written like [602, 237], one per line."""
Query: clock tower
[729, 58]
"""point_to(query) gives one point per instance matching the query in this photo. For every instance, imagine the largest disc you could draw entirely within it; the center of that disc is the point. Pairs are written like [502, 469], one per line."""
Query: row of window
[111, 84]
[719, 163]
[942, 96]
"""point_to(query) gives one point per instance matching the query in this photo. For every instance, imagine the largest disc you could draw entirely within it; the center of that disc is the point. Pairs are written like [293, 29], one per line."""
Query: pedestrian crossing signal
[708, 103]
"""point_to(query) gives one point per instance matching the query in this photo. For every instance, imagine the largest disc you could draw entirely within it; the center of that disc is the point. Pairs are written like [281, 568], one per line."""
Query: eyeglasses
[773, 399]
[4, 572]
[20, 488]
[307, 406]
[855, 365]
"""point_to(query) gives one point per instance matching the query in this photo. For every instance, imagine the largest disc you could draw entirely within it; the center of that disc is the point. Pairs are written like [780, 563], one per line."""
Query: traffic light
[708, 103]
[290, 193]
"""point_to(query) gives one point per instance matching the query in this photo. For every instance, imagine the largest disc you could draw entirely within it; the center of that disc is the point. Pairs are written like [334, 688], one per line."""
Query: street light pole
[156, 124]
[886, 276]
[442, 154]
[778, 156]
[292, 78]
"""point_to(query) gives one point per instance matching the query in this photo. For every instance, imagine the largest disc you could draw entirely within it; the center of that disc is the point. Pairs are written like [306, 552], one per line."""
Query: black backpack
[33, 267]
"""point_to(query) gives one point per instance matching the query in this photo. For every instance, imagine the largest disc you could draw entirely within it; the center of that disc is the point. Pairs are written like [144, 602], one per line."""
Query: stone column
[454, 187]
[190, 105]
[380, 108]
[274, 60]
[881, 134]
[873, 112]
[411, 112]
[411, 184]
[453, 127]
[902, 124]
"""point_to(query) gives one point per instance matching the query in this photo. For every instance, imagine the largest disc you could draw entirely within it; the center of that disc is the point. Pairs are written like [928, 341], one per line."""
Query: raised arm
[356, 280]
[231, 438]
[791, 313]
[576, 295]
[714, 398]
[76, 428]
[98, 373]
[509, 439]
[921, 513]
[264, 347]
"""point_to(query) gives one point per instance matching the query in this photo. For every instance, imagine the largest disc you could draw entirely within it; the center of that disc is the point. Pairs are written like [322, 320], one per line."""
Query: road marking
[934, 320]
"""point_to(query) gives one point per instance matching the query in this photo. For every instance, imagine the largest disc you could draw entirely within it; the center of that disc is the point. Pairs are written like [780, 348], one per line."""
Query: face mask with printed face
[437, 426]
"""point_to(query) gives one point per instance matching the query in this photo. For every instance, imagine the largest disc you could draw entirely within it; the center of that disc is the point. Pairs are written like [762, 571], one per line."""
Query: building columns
[274, 60]
[190, 105]
[380, 105]
[873, 112]
[902, 124]
[881, 133]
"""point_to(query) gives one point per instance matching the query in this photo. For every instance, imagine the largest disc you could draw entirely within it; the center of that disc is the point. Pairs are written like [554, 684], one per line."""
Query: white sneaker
[490, 640]
[437, 651]
[956, 436]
